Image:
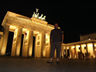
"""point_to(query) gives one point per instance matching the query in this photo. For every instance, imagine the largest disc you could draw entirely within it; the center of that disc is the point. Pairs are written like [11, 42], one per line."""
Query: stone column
[16, 42]
[38, 45]
[26, 44]
[62, 50]
[77, 50]
[70, 52]
[73, 51]
[47, 41]
[30, 43]
[66, 51]
[86, 48]
[18, 46]
[42, 43]
[87, 53]
[80, 48]
[5, 38]
[94, 50]
[75, 56]
[1, 42]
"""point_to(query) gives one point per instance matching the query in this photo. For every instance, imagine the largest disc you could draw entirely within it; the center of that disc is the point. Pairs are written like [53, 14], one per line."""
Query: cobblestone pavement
[16, 64]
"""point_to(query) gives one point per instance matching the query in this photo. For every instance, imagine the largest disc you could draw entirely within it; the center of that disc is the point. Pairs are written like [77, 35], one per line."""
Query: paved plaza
[18, 64]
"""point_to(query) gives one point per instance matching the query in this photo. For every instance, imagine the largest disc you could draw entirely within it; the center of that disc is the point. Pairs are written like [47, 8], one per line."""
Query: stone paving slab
[16, 64]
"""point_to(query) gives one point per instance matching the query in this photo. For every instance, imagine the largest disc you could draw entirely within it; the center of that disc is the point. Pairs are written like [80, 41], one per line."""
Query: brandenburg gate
[20, 26]
[27, 37]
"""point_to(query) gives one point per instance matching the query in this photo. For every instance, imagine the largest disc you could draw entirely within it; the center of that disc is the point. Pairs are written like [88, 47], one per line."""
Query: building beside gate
[27, 37]
[91, 36]
[85, 48]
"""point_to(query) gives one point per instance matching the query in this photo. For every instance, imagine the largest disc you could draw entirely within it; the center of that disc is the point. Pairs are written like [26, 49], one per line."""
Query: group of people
[56, 39]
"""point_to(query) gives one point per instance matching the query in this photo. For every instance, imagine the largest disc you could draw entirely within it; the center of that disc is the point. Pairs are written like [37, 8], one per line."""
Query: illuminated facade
[85, 48]
[81, 49]
[37, 27]
[29, 27]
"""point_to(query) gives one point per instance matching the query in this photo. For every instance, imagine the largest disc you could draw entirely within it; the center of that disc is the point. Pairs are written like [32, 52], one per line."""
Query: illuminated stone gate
[29, 27]
[40, 29]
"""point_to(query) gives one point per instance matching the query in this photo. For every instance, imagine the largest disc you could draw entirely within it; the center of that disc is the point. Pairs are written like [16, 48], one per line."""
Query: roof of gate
[26, 22]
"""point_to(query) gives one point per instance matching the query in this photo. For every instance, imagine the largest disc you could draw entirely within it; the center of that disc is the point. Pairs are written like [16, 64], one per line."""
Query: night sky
[73, 20]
